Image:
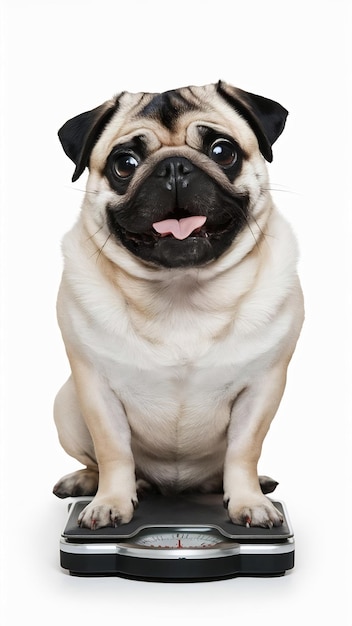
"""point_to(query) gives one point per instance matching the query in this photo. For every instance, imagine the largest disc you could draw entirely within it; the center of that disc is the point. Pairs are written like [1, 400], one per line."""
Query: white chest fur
[177, 348]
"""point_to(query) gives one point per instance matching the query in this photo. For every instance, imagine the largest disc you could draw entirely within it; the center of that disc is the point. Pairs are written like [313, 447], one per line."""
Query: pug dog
[180, 305]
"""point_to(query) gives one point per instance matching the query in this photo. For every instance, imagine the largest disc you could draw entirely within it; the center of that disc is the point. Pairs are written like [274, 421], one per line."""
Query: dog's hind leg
[267, 484]
[77, 442]
[80, 483]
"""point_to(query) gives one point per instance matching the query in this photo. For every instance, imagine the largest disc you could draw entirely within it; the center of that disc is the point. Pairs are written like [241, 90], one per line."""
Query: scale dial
[178, 539]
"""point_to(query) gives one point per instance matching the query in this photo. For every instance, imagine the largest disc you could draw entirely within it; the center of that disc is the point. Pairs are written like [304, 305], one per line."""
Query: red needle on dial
[179, 544]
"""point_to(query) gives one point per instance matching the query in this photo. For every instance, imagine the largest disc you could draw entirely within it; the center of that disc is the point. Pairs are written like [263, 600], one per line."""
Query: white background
[62, 57]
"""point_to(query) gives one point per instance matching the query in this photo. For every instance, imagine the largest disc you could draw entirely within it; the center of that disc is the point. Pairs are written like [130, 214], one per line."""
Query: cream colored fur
[176, 373]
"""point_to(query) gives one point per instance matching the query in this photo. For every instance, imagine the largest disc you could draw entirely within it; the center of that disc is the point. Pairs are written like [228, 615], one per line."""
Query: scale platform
[177, 539]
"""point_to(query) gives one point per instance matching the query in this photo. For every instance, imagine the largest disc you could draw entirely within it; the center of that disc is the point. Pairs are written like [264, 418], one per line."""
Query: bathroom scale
[184, 538]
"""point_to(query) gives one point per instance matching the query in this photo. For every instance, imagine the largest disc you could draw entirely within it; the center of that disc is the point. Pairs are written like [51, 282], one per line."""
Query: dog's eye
[125, 164]
[223, 152]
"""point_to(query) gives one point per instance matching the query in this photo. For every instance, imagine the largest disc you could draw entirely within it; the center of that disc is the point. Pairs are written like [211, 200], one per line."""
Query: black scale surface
[191, 510]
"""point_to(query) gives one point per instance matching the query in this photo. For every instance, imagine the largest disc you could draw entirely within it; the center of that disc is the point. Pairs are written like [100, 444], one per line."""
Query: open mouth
[181, 238]
[183, 229]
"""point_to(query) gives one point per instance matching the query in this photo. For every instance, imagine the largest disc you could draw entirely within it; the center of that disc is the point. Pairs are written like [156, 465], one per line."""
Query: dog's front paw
[107, 511]
[254, 510]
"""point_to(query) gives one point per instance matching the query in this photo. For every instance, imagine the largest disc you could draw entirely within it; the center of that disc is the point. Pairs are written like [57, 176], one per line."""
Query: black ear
[266, 117]
[79, 135]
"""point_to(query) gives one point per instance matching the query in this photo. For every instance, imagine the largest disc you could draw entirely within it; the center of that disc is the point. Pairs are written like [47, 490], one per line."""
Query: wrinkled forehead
[167, 108]
[165, 118]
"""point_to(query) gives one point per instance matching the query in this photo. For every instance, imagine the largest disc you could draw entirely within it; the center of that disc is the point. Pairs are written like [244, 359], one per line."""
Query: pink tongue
[180, 229]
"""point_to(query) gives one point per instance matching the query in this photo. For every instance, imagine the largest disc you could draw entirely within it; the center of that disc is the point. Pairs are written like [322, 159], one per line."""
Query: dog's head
[177, 175]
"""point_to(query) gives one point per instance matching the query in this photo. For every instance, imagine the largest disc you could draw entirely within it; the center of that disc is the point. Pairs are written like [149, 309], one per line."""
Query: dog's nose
[176, 172]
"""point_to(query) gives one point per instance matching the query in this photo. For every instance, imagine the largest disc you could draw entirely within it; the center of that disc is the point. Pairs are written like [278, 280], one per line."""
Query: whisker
[281, 189]
[250, 228]
[93, 235]
[94, 192]
[99, 252]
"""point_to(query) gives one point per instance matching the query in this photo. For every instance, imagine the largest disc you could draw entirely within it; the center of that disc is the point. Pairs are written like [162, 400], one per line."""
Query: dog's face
[176, 176]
